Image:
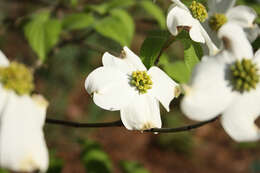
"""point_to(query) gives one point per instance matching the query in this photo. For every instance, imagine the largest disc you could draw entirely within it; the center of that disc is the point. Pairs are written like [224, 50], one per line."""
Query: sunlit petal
[239, 119]
[236, 41]
[209, 92]
[142, 113]
[163, 88]
[132, 59]
[110, 88]
[22, 144]
[242, 15]
[109, 60]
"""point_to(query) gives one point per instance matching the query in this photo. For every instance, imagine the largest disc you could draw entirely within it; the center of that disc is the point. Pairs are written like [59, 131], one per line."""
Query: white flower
[227, 84]
[222, 11]
[125, 84]
[179, 16]
[22, 144]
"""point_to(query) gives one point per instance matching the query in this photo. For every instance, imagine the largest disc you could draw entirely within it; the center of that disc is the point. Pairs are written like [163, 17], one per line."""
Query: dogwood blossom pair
[227, 84]
[223, 11]
[180, 17]
[220, 12]
[22, 144]
[125, 84]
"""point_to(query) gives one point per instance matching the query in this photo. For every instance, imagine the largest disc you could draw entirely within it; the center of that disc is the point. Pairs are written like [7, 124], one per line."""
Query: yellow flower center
[217, 20]
[17, 77]
[244, 75]
[198, 11]
[141, 80]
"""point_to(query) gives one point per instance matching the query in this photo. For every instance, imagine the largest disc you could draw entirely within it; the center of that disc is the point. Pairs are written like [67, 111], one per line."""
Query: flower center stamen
[17, 77]
[217, 20]
[141, 80]
[198, 11]
[245, 75]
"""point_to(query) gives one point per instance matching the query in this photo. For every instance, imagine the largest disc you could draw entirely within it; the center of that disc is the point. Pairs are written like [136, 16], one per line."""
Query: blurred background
[63, 40]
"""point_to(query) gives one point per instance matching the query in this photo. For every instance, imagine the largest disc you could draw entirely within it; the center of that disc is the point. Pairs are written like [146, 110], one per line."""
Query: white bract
[223, 11]
[180, 17]
[22, 144]
[125, 84]
[227, 84]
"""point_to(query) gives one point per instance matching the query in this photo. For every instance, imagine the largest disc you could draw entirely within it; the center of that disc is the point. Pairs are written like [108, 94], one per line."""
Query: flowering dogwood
[125, 84]
[180, 16]
[22, 144]
[227, 84]
[223, 11]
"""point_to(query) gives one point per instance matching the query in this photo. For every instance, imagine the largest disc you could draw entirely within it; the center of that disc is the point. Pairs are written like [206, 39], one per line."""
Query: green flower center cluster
[245, 75]
[217, 20]
[198, 11]
[142, 81]
[17, 77]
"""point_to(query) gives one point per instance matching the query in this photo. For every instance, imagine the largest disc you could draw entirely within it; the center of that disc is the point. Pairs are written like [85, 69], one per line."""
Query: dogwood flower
[22, 144]
[180, 17]
[223, 11]
[125, 84]
[227, 84]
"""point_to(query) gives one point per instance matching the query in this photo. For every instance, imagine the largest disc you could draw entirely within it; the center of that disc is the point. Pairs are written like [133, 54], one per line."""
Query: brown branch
[119, 124]
[165, 46]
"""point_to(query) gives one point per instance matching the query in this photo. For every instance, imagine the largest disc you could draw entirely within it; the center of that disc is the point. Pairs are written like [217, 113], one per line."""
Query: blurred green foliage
[255, 166]
[55, 163]
[3, 171]
[181, 142]
[132, 167]
[94, 158]
[42, 33]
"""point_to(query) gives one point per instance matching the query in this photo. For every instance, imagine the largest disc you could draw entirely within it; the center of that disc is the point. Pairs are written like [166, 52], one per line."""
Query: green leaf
[192, 52]
[255, 166]
[151, 48]
[97, 161]
[77, 21]
[3, 171]
[55, 164]
[42, 33]
[178, 71]
[132, 167]
[154, 11]
[105, 7]
[119, 26]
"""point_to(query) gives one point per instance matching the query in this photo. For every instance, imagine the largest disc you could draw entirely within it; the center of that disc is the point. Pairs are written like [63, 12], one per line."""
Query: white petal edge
[4, 62]
[196, 32]
[252, 32]
[109, 60]
[132, 60]
[238, 119]
[3, 99]
[110, 88]
[180, 4]
[242, 15]
[163, 88]
[212, 48]
[235, 41]
[22, 144]
[142, 113]
[220, 6]
[208, 93]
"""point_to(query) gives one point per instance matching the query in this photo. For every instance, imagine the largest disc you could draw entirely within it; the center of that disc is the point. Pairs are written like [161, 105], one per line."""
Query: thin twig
[181, 129]
[83, 125]
[119, 124]
[165, 46]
